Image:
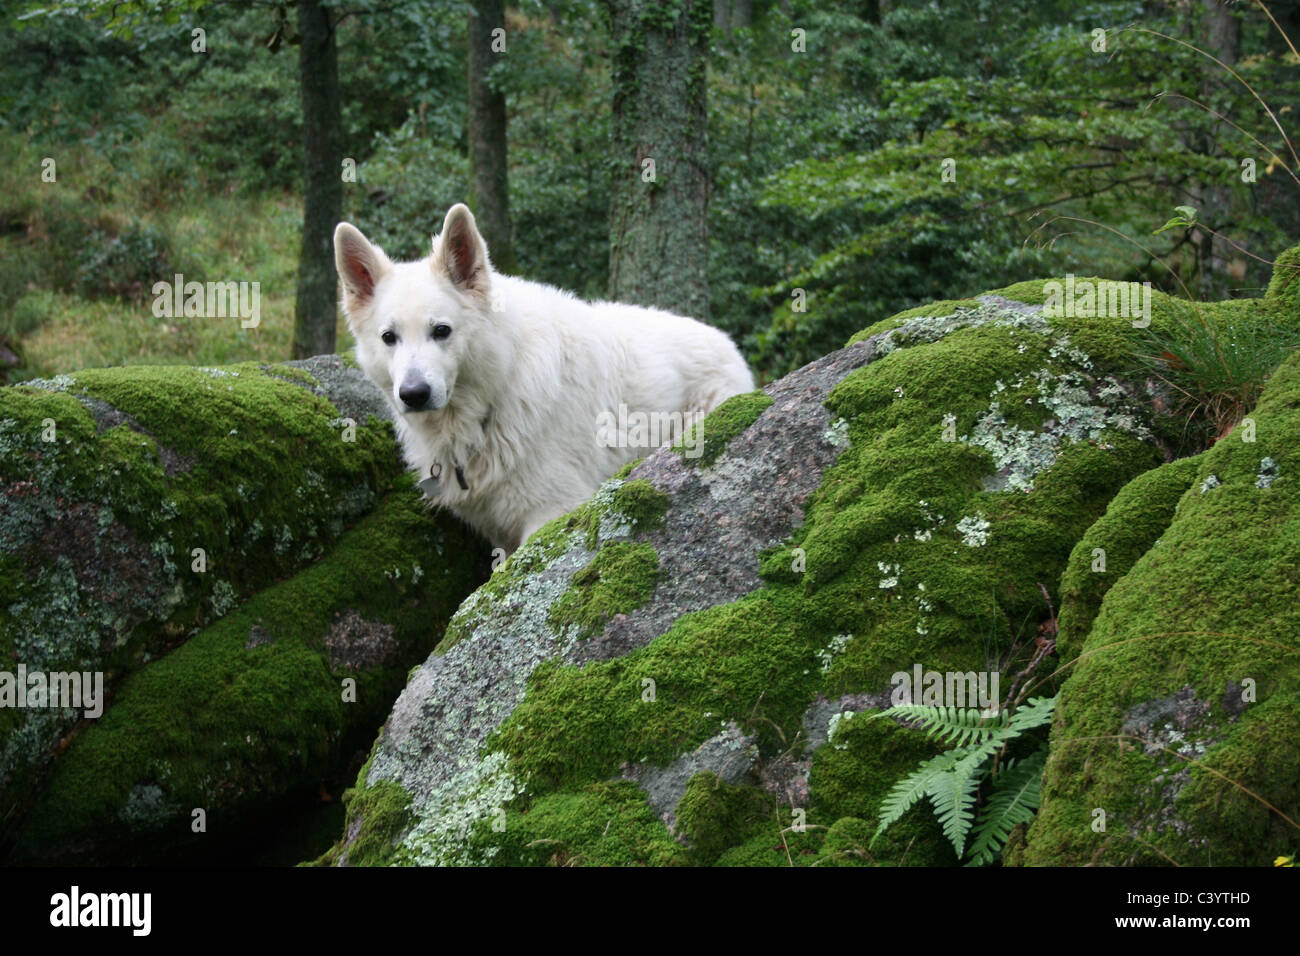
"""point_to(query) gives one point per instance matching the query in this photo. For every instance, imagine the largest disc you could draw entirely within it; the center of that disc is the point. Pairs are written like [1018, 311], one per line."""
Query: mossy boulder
[1130, 527]
[223, 545]
[1175, 738]
[905, 500]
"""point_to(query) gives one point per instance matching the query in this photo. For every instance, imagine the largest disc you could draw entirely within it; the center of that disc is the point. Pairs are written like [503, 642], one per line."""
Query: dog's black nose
[414, 396]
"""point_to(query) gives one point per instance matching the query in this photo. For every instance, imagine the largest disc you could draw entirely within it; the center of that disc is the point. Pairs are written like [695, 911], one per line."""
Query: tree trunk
[316, 309]
[659, 243]
[731, 15]
[1221, 37]
[487, 135]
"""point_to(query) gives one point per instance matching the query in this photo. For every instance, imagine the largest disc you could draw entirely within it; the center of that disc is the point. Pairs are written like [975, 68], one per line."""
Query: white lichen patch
[224, 598]
[1267, 473]
[891, 574]
[924, 606]
[611, 524]
[837, 434]
[447, 821]
[1074, 415]
[928, 515]
[1078, 407]
[974, 530]
[833, 725]
[531, 596]
[146, 805]
[931, 328]
[1210, 482]
[826, 656]
[59, 383]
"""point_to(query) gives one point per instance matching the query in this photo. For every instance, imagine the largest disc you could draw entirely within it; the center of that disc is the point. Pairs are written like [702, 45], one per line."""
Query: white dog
[515, 400]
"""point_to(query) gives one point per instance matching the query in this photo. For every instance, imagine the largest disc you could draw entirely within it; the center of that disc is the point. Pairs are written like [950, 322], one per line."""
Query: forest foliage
[863, 157]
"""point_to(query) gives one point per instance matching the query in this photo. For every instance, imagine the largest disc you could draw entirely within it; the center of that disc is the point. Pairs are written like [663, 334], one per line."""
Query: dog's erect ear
[360, 266]
[460, 252]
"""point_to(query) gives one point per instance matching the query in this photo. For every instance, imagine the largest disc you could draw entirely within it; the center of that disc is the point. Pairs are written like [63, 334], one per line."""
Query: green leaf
[953, 796]
[1017, 792]
[949, 725]
[912, 788]
[1186, 218]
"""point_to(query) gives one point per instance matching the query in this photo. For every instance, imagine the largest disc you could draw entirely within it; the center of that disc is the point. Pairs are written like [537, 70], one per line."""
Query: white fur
[519, 386]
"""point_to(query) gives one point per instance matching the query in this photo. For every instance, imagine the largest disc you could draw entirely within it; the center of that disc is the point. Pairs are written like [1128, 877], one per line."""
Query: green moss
[604, 824]
[577, 725]
[842, 843]
[619, 579]
[254, 708]
[1131, 525]
[708, 439]
[714, 815]
[778, 845]
[642, 503]
[1284, 287]
[854, 773]
[381, 813]
[291, 372]
[940, 308]
[1198, 643]
[618, 508]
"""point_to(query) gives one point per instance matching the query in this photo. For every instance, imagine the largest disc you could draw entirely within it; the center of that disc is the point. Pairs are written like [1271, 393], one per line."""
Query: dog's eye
[441, 331]
[389, 337]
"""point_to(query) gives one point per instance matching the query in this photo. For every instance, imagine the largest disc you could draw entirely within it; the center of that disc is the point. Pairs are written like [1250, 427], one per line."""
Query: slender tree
[659, 199]
[487, 131]
[315, 311]
[1220, 36]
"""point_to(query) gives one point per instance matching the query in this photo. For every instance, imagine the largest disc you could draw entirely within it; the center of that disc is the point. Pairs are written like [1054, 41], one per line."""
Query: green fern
[1017, 790]
[950, 725]
[912, 788]
[952, 780]
[953, 795]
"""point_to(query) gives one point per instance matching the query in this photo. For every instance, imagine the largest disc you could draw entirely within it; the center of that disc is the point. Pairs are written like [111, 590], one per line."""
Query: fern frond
[954, 726]
[1035, 712]
[953, 796]
[1016, 794]
[953, 778]
[911, 789]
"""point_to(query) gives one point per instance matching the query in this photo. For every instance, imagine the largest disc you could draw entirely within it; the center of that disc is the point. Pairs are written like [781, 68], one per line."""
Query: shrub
[126, 265]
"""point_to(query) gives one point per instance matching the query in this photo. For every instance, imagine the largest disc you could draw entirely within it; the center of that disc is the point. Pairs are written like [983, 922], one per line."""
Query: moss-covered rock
[898, 502]
[708, 439]
[1130, 527]
[619, 579]
[262, 703]
[146, 516]
[1284, 286]
[1175, 736]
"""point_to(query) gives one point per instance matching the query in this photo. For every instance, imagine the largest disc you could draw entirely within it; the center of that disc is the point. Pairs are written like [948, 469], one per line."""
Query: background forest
[1073, 131]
